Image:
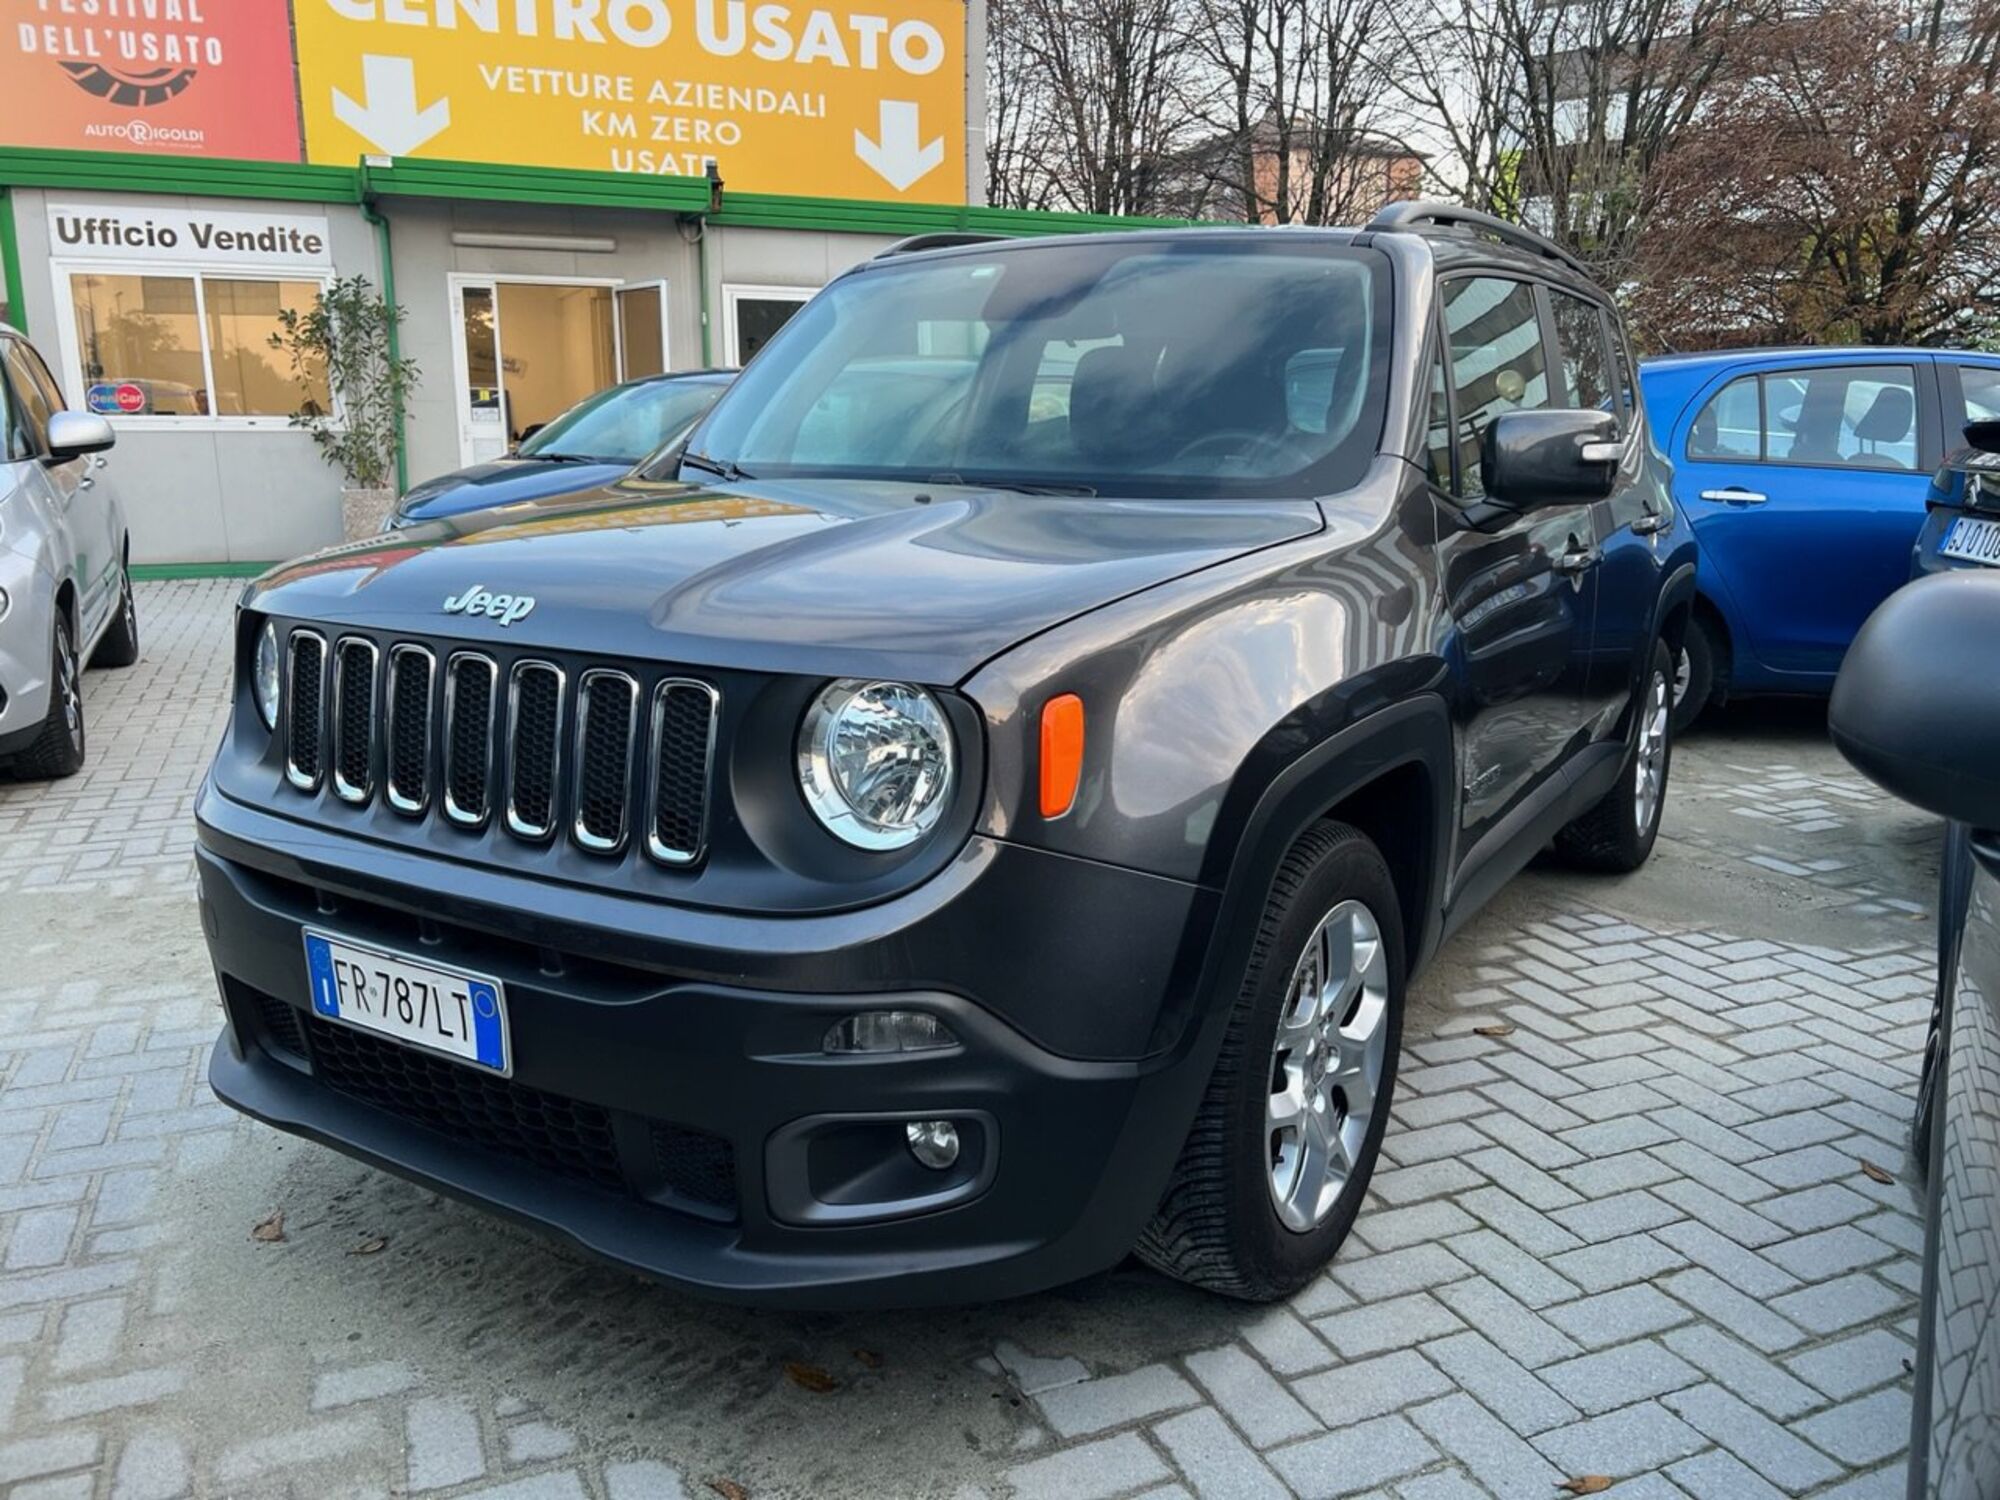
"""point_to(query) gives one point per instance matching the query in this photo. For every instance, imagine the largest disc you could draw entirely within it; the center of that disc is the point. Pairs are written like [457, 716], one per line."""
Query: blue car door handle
[1735, 495]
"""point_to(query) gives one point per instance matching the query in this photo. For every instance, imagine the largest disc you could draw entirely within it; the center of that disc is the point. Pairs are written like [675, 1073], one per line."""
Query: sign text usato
[769, 31]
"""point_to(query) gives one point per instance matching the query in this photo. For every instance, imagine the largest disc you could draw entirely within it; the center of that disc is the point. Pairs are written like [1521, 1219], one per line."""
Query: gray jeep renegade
[983, 816]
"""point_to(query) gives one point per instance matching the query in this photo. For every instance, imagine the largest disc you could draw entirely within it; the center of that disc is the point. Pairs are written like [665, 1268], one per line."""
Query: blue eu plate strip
[486, 1031]
[319, 964]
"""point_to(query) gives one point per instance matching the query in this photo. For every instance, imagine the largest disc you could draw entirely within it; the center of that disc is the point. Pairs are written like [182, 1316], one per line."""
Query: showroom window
[189, 344]
[755, 314]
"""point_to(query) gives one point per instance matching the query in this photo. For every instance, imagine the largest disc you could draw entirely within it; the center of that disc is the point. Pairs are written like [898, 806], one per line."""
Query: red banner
[155, 77]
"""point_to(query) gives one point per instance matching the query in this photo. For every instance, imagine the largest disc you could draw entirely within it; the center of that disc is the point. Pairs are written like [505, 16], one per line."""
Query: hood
[503, 482]
[828, 578]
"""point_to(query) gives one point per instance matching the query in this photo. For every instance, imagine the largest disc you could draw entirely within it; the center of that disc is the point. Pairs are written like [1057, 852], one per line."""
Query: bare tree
[1845, 185]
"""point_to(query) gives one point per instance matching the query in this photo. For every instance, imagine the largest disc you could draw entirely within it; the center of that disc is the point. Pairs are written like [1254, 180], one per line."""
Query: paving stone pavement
[1622, 1225]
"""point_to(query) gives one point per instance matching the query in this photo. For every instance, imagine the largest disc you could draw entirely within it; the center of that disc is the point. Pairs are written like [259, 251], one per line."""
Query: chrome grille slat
[470, 680]
[683, 759]
[535, 691]
[406, 780]
[607, 716]
[305, 709]
[354, 662]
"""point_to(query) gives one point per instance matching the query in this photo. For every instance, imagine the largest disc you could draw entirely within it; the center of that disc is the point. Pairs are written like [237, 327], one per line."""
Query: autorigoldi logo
[139, 133]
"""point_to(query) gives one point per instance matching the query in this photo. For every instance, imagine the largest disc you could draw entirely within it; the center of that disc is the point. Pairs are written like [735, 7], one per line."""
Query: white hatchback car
[65, 579]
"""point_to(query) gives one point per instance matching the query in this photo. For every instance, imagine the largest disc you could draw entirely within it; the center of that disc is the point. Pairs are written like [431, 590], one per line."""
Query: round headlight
[875, 762]
[264, 676]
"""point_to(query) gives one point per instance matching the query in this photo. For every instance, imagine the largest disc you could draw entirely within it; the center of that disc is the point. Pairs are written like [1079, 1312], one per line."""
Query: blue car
[1806, 474]
[593, 443]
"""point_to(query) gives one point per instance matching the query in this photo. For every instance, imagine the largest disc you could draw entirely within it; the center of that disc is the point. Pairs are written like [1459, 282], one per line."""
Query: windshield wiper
[1026, 487]
[569, 458]
[721, 468]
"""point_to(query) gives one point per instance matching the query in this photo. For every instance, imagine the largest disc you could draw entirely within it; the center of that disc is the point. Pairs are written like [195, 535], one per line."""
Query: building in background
[534, 190]
[1313, 177]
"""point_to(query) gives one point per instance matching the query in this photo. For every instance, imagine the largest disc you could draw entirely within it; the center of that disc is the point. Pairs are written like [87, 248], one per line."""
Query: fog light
[934, 1143]
[888, 1031]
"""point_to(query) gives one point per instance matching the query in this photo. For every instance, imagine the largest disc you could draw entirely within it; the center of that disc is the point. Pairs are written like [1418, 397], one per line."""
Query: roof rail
[938, 239]
[1410, 213]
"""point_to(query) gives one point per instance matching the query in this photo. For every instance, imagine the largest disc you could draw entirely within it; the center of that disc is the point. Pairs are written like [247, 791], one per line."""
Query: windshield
[626, 423]
[1134, 367]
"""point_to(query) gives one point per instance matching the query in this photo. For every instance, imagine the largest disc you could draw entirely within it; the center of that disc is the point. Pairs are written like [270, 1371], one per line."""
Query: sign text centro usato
[189, 236]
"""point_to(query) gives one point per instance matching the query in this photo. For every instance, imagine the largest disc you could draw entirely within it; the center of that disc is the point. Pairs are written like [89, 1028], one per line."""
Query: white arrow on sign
[896, 154]
[390, 118]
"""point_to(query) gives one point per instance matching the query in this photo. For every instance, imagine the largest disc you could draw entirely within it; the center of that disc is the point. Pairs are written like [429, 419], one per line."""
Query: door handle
[1735, 495]
[1652, 522]
[1577, 559]
[86, 483]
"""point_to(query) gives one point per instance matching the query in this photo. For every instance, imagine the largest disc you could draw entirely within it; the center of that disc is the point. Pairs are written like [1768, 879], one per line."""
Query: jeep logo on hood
[506, 608]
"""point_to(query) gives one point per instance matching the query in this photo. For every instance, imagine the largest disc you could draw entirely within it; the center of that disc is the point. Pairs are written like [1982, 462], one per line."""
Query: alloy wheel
[1326, 1064]
[69, 684]
[1649, 764]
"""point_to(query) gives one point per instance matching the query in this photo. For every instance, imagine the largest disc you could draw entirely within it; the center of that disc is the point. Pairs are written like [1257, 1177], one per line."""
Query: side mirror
[1535, 458]
[1984, 435]
[75, 433]
[1916, 708]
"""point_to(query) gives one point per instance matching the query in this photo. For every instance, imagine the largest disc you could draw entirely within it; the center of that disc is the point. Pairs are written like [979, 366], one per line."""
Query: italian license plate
[1973, 540]
[419, 1004]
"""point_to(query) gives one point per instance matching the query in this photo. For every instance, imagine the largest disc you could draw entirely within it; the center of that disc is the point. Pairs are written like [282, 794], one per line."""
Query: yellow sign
[853, 99]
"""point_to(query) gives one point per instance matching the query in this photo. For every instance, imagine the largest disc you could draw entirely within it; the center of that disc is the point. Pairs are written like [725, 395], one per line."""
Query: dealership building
[559, 194]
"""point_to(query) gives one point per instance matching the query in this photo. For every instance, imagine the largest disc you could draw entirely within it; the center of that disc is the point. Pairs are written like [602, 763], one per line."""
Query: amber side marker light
[1062, 753]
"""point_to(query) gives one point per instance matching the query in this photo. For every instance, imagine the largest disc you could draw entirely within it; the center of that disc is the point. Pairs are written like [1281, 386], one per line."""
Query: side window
[1580, 334]
[1855, 416]
[1979, 398]
[1437, 434]
[13, 441]
[1729, 427]
[38, 370]
[1498, 362]
[31, 401]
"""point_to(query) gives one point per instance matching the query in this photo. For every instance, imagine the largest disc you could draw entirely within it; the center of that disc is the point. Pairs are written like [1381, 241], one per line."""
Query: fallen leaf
[1876, 1174]
[810, 1378]
[371, 1246]
[1586, 1484]
[869, 1358]
[729, 1489]
[1499, 1029]
[271, 1230]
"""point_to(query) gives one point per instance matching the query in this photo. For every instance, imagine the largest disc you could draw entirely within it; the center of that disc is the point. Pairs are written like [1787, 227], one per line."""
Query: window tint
[1497, 360]
[1979, 385]
[1437, 436]
[1729, 426]
[1861, 416]
[32, 405]
[1580, 332]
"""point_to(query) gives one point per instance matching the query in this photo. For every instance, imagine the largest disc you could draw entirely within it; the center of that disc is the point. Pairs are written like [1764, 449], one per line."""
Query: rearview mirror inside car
[1535, 458]
[1916, 707]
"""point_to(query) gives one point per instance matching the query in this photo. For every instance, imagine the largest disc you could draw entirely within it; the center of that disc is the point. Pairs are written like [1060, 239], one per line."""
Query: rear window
[1829, 416]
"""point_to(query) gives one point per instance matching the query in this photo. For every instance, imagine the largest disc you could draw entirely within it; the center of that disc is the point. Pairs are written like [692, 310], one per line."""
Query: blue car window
[1729, 426]
[1857, 416]
[1979, 386]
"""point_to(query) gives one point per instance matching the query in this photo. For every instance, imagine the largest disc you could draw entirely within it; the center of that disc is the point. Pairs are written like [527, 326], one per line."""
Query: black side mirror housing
[1984, 435]
[1535, 458]
[1916, 708]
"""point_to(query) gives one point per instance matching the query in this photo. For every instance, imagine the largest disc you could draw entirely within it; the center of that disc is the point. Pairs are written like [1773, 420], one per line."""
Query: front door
[1807, 486]
[528, 352]
[72, 487]
[1522, 591]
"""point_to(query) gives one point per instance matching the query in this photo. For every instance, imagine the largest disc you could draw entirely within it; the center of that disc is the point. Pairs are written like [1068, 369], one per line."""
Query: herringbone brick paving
[1622, 1226]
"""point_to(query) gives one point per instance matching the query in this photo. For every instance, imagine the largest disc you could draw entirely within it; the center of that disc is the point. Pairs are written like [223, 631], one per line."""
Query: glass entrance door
[530, 351]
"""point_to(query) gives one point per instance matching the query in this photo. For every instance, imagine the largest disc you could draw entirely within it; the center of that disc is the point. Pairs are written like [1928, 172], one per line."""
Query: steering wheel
[1239, 443]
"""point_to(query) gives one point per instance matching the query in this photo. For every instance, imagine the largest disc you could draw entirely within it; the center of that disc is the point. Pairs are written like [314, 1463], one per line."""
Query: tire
[58, 750]
[1618, 833]
[1221, 1224]
[1694, 680]
[119, 646]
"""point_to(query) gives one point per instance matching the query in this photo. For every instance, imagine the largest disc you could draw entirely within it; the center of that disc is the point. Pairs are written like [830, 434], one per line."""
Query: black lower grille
[509, 1119]
[695, 1164]
[281, 1026]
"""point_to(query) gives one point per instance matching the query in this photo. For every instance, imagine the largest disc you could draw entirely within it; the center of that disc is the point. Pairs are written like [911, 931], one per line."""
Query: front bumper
[678, 1116]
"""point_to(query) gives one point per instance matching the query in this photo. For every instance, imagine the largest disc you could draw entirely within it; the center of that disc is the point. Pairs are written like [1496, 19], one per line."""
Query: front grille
[306, 695]
[354, 718]
[567, 1136]
[525, 745]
